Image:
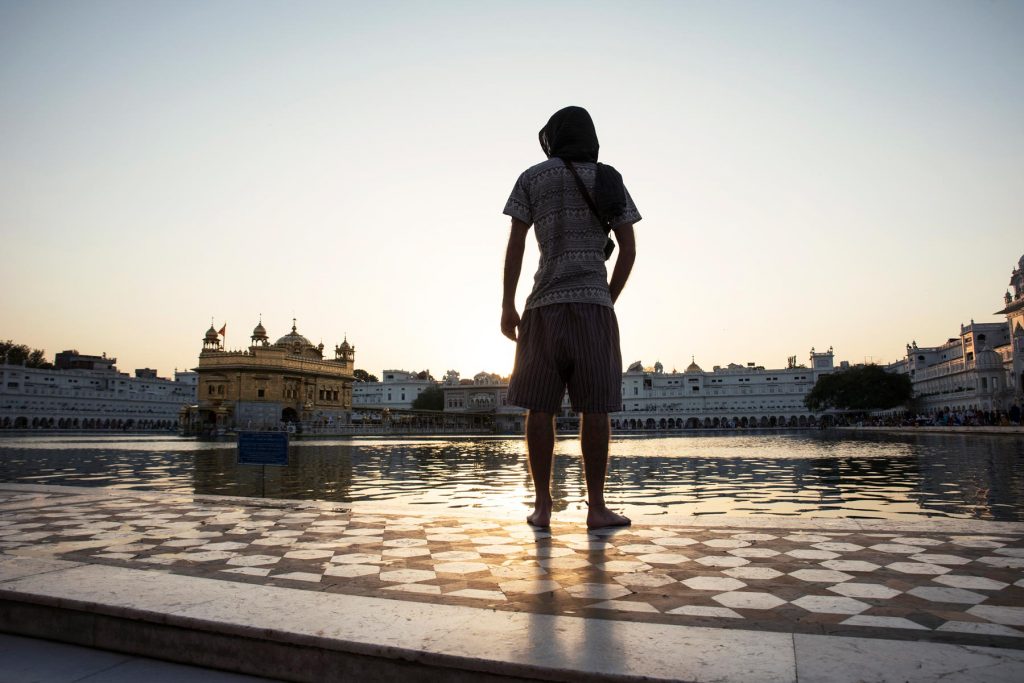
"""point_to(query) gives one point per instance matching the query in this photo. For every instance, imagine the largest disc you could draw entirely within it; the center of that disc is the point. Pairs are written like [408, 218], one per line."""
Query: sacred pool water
[819, 474]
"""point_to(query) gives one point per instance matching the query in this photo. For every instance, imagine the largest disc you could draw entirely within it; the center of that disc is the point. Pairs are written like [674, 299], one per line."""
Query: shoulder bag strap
[586, 194]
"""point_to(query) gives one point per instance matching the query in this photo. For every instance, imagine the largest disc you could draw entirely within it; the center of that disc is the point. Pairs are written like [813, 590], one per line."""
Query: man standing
[568, 336]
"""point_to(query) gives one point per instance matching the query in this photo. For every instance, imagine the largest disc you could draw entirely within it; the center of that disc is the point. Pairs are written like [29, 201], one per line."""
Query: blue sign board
[263, 448]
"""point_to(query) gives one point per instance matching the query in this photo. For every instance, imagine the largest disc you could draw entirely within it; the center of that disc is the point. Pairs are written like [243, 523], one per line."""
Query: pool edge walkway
[308, 635]
[312, 636]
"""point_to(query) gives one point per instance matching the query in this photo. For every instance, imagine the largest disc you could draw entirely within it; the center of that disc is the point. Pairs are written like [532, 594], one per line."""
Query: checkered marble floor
[951, 586]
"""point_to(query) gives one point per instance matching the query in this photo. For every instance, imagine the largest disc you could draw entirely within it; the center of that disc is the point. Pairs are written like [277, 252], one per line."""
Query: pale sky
[810, 173]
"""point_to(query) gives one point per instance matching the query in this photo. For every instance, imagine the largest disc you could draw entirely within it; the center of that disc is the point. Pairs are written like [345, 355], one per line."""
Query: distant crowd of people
[942, 418]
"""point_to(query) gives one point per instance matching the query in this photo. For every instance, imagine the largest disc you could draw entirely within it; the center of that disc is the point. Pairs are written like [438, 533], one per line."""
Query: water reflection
[809, 475]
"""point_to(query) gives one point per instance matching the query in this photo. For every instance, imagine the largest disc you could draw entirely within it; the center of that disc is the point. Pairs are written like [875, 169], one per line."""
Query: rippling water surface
[817, 475]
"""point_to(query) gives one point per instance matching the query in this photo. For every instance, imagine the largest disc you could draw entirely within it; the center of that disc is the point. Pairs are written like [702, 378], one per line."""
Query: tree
[431, 398]
[863, 387]
[16, 354]
[364, 376]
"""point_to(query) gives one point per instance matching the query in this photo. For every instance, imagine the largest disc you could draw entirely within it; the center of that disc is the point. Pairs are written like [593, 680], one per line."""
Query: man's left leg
[595, 431]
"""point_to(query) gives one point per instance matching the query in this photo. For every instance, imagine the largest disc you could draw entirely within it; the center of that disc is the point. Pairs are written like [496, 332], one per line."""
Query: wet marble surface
[829, 579]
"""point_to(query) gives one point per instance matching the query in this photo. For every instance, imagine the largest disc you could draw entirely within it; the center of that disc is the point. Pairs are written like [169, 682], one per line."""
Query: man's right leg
[595, 431]
[540, 445]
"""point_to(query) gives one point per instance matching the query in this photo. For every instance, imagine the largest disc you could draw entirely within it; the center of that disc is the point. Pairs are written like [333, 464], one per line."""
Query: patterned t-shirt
[569, 235]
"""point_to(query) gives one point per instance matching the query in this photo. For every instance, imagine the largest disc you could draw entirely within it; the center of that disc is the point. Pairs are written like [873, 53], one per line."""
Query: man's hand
[513, 264]
[509, 321]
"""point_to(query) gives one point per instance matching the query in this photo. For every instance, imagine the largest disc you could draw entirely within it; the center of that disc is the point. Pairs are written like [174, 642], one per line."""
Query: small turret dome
[259, 332]
[987, 358]
[692, 367]
[211, 335]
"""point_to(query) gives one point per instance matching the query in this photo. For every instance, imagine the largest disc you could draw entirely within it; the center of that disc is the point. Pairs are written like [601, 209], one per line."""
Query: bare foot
[541, 516]
[598, 519]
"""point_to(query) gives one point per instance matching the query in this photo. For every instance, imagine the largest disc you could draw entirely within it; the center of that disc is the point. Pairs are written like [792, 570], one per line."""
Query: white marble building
[92, 395]
[735, 396]
[746, 396]
[397, 389]
[981, 369]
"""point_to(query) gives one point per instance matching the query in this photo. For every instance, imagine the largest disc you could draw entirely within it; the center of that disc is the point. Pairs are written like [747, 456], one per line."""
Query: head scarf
[570, 135]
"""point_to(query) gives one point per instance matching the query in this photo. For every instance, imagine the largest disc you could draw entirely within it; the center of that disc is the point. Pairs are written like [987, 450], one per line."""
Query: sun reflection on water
[793, 475]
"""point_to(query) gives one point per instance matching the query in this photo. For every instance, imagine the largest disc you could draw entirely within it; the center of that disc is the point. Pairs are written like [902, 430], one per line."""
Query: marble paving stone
[897, 548]
[838, 547]
[407, 575]
[253, 560]
[850, 565]
[600, 591]
[1008, 616]
[722, 561]
[748, 600]
[563, 563]
[529, 586]
[640, 548]
[760, 573]
[820, 575]
[478, 594]
[706, 611]
[404, 542]
[753, 552]
[625, 606]
[945, 594]
[406, 552]
[622, 566]
[807, 538]
[209, 555]
[415, 588]
[551, 552]
[726, 543]
[518, 572]
[1009, 552]
[456, 555]
[460, 567]
[924, 568]
[673, 542]
[500, 549]
[248, 571]
[882, 622]
[448, 538]
[1010, 562]
[976, 542]
[349, 571]
[225, 545]
[934, 558]
[663, 558]
[916, 541]
[644, 580]
[826, 604]
[309, 554]
[864, 590]
[971, 582]
[712, 583]
[273, 541]
[980, 628]
[347, 532]
[754, 537]
[299, 576]
[811, 554]
[493, 540]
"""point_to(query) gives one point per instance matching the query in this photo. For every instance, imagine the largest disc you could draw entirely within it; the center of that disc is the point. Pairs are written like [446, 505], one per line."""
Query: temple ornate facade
[271, 384]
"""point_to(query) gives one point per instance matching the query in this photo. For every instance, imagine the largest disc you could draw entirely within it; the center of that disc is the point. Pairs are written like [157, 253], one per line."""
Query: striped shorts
[568, 346]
